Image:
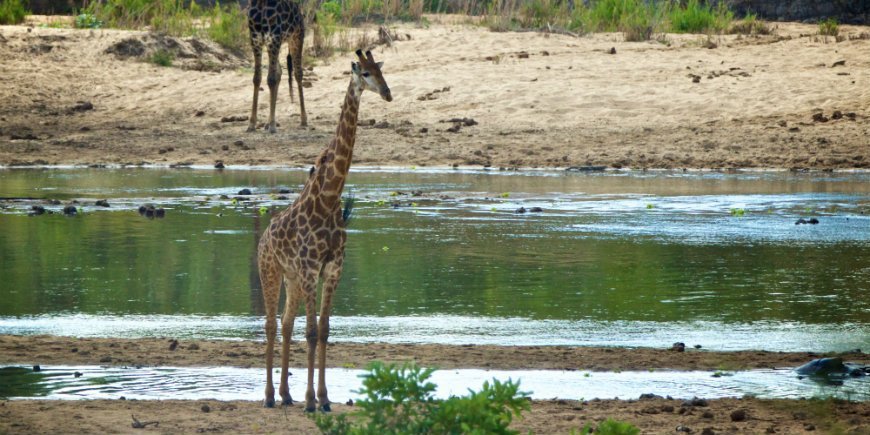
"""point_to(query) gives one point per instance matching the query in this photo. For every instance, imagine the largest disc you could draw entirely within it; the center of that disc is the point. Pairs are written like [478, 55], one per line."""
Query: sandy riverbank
[539, 100]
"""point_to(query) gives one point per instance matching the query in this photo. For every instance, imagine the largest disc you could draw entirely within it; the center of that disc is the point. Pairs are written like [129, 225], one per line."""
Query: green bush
[699, 18]
[610, 427]
[332, 8]
[540, 13]
[12, 12]
[610, 15]
[636, 19]
[751, 25]
[829, 27]
[228, 26]
[401, 401]
[87, 21]
[162, 58]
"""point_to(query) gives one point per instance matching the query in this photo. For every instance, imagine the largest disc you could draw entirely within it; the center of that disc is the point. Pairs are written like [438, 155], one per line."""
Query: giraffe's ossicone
[271, 23]
[305, 244]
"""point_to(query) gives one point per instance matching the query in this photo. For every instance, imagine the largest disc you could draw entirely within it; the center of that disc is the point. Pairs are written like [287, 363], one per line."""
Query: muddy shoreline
[656, 415]
[44, 349]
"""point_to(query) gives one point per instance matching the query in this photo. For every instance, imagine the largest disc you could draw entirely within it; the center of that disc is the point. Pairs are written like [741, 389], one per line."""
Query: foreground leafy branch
[400, 400]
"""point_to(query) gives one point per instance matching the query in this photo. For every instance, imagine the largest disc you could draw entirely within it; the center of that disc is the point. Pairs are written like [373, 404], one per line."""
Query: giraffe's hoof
[287, 401]
[326, 408]
[269, 403]
[251, 128]
[310, 409]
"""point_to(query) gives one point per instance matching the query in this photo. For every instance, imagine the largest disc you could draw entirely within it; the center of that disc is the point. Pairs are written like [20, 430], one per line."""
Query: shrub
[698, 18]
[162, 58]
[401, 401]
[610, 427]
[12, 12]
[751, 25]
[639, 23]
[540, 13]
[228, 26]
[87, 21]
[829, 27]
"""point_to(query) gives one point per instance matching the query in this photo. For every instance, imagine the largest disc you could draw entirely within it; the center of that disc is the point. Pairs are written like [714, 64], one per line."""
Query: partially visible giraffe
[271, 22]
[305, 243]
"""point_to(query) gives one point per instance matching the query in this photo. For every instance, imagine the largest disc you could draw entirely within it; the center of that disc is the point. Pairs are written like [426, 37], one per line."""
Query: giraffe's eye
[366, 74]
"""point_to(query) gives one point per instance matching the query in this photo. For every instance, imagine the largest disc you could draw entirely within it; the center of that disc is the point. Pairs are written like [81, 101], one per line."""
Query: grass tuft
[829, 27]
[162, 57]
[12, 12]
[751, 25]
[699, 18]
[228, 26]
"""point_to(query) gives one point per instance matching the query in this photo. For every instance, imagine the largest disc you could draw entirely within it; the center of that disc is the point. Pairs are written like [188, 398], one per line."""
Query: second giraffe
[271, 22]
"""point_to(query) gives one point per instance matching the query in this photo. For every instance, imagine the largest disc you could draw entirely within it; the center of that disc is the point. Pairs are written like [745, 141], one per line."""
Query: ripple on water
[230, 383]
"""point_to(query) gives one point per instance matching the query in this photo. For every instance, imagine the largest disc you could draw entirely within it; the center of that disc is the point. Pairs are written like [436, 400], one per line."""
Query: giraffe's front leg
[258, 77]
[331, 275]
[290, 308]
[309, 287]
[271, 283]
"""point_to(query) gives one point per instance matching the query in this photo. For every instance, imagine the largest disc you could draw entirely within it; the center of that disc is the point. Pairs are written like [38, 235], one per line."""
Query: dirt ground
[788, 100]
[657, 415]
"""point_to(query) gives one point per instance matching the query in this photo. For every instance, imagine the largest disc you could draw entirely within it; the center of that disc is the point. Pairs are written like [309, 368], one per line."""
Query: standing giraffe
[271, 22]
[306, 241]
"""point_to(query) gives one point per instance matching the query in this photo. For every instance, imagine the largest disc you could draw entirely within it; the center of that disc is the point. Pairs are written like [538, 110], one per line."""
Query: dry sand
[540, 100]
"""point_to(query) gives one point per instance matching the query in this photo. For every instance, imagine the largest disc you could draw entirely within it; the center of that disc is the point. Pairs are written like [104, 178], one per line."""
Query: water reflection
[640, 248]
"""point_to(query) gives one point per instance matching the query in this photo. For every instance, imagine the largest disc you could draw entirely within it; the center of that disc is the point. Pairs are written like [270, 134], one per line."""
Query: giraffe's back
[275, 18]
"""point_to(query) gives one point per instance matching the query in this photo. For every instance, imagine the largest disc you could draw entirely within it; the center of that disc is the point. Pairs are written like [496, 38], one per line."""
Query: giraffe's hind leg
[294, 69]
[257, 48]
[270, 279]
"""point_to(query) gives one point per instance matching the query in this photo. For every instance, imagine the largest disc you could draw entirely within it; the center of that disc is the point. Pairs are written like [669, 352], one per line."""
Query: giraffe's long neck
[331, 169]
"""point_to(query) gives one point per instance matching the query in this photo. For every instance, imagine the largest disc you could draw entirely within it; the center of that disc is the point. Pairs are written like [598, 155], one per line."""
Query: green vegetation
[332, 21]
[829, 27]
[226, 25]
[401, 401]
[87, 21]
[751, 25]
[698, 18]
[638, 20]
[12, 11]
[609, 427]
[162, 58]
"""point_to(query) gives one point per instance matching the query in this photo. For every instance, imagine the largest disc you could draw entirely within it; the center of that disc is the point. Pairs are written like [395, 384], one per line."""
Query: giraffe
[305, 242]
[271, 22]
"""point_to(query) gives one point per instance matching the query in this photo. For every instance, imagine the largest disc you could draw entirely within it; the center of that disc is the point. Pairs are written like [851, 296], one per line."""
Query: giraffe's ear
[354, 67]
[380, 65]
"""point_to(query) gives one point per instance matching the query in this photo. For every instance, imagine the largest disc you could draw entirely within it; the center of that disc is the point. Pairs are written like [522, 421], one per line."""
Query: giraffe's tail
[348, 208]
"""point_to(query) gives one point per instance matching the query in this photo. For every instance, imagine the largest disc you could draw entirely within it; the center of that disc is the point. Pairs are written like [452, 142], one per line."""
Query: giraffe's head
[367, 75]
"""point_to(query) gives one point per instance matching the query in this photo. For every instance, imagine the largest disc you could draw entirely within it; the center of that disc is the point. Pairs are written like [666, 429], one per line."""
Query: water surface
[229, 383]
[621, 259]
